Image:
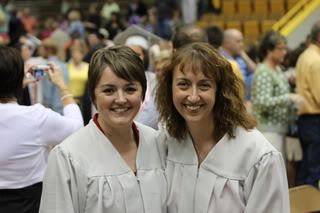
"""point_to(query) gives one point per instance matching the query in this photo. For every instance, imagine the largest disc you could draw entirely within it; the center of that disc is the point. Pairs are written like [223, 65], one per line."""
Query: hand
[28, 78]
[56, 75]
[297, 99]
[243, 54]
[293, 149]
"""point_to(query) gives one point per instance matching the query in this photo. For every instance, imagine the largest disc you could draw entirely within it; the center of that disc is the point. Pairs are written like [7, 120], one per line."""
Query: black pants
[309, 134]
[25, 200]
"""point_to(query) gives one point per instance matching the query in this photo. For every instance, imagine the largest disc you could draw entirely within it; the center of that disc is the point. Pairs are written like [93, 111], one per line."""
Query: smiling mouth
[193, 108]
[121, 109]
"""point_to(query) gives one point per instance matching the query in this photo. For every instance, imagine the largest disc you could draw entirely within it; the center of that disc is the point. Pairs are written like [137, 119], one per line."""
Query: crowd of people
[153, 114]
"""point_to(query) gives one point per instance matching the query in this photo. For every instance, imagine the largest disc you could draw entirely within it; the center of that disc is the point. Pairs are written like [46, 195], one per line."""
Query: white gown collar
[232, 158]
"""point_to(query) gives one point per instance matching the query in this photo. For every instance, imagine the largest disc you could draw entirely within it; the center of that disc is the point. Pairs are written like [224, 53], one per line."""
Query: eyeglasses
[282, 48]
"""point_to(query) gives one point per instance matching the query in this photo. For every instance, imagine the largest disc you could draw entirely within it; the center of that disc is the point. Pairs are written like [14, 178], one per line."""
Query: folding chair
[305, 198]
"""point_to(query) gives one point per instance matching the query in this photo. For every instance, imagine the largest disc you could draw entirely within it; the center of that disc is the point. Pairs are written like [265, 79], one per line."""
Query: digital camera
[40, 71]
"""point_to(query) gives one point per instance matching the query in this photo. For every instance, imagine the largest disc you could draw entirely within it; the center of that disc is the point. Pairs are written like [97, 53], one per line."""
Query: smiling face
[118, 101]
[193, 95]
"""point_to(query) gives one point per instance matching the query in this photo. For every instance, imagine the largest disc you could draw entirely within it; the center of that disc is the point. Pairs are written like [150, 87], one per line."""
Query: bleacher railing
[295, 16]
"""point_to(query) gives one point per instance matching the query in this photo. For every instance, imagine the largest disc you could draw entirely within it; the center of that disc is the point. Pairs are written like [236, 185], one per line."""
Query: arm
[251, 64]
[61, 126]
[162, 144]
[262, 91]
[57, 192]
[314, 79]
[266, 187]
[58, 78]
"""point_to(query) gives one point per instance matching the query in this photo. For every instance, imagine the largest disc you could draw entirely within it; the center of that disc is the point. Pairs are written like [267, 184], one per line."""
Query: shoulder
[263, 71]
[263, 68]
[236, 68]
[34, 111]
[146, 131]
[78, 141]
[309, 55]
[252, 142]
[234, 158]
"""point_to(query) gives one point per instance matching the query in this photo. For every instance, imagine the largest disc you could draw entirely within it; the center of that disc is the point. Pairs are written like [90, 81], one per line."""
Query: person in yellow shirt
[78, 73]
[307, 80]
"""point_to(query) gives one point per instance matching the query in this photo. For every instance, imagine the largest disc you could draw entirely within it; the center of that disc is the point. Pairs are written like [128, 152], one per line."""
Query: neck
[8, 100]
[227, 52]
[271, 63]
[316, 43]
[202, 133]
[77, 63]
[115, 134]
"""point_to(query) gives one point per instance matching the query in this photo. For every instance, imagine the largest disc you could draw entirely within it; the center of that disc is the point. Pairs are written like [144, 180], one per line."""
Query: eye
[182, 84]
[205, 85]
[130, 90]
[108, 91]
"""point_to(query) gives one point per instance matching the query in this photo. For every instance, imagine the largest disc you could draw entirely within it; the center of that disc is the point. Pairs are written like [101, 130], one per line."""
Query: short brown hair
[229, 110]
[123, 61]
[269, 42]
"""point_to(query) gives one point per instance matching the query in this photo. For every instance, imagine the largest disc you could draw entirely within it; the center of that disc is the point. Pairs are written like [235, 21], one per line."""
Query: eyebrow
[185, 79]
[112, 85]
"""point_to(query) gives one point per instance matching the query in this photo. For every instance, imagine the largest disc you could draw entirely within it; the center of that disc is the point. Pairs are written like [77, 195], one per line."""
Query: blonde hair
[74, 15]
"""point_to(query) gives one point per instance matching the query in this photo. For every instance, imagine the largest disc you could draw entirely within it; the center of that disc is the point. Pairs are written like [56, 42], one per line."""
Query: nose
[193, 97]
[121, 99]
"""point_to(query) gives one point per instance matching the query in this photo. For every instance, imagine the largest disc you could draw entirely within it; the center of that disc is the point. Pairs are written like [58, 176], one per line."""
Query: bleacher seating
[251, 30]
[260, 9]
[277, 8]
[266, 25]
[291, 3]
[229, 8]
[234, 24]
[252, 17]
[244, 9]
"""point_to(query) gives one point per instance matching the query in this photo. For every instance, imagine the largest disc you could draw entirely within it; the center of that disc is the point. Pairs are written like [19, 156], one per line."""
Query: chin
[123, 121]
[193, 120]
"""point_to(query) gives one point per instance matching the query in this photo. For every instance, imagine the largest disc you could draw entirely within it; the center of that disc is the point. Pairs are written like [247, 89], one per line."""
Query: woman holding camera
[26, 133]
[216, 161]
[112, 164]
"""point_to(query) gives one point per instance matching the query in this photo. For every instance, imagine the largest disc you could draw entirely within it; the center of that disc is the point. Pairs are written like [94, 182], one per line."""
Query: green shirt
[271, 99]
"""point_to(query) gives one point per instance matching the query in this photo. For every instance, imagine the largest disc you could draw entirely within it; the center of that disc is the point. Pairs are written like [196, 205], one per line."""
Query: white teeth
[120, 109]
[193, 107]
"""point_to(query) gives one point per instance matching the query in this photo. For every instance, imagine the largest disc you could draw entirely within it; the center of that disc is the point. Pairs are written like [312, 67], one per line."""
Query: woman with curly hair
[216, 161]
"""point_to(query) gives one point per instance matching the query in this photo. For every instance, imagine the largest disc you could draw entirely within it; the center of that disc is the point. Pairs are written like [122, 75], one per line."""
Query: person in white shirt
[113, 163]
[27, 132]
[216, 161]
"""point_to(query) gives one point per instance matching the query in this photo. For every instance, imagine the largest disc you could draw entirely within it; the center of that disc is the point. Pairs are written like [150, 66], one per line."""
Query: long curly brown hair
[229, 110]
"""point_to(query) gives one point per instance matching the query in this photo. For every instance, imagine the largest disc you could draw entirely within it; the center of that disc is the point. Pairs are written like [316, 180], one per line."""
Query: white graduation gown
[245, 174]
[87, 175]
